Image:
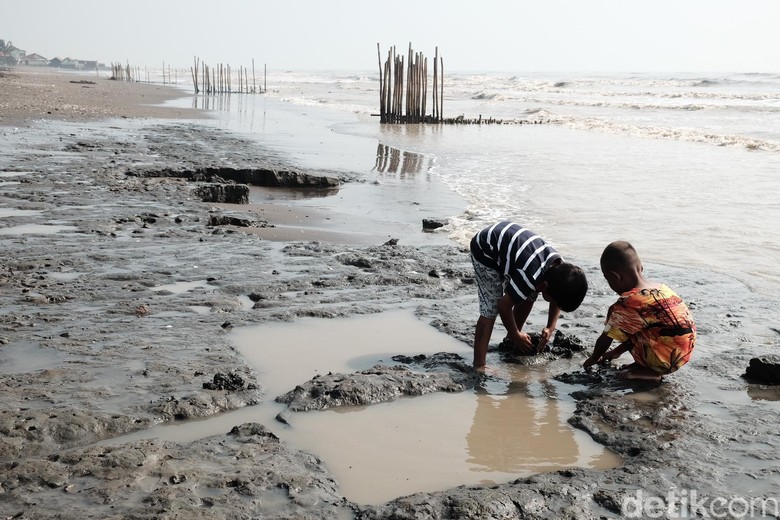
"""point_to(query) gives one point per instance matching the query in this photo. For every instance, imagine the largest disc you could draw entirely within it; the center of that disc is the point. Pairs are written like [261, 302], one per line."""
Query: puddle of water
[12, 174]
[717, 401]
[246, 302]
[764, 393]
[439, 441]
[514, 427]
[16, 212]
[426, 443]
[9, 183]
[63, 277]
[642, 397]
[22, 358]
[182, 287]
[34, 229]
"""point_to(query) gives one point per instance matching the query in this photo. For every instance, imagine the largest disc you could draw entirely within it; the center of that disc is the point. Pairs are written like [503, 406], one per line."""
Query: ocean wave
[488, 96]
[679, 134]
[310, 102]
[647, 105]
[539, 112]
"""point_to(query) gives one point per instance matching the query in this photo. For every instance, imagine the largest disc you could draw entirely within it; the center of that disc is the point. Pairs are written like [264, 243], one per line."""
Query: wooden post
[424, 89]
[435, 97]
[254, 85]
[381, 86]
[408, 79]
[441, 98]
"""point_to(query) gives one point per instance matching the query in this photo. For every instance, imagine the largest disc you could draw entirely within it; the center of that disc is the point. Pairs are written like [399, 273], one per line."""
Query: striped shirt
[517, 253]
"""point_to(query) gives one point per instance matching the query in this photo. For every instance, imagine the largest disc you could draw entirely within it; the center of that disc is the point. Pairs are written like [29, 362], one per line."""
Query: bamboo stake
[388, 77]
[435, 85]
[441, 98]
[381, 86]
[424, 88]
[409, 80]
[254, 85]
[194, 72]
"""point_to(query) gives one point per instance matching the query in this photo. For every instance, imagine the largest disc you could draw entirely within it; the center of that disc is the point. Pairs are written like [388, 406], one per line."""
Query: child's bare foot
[486, 370]
[639, 373]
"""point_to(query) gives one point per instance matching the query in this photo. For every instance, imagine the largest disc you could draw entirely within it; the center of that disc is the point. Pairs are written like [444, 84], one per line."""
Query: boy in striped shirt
[512, 266]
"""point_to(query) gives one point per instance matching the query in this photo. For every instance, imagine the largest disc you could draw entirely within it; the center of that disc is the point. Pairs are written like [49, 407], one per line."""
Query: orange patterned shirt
[658, 325]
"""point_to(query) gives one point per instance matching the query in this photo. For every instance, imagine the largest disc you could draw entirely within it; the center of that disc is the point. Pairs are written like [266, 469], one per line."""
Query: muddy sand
[121, 291]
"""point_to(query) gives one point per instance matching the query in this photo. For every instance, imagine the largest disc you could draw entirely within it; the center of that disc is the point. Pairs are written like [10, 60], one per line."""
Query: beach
[123, 295]
[42, 94]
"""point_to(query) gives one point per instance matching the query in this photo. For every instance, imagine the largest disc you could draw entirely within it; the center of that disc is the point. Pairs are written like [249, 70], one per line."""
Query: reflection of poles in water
[516, 432]
[393, 160]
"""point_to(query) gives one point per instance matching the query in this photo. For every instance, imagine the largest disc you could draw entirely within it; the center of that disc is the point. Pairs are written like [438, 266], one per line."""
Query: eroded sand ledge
[129, 356]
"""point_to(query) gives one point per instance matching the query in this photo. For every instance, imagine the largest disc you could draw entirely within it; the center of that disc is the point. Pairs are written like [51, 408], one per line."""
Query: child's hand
[610, 355]
[544, 338]
[522, 342]
[590, 362]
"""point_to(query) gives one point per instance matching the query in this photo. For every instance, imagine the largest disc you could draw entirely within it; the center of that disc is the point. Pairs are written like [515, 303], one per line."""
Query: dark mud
[119, 321]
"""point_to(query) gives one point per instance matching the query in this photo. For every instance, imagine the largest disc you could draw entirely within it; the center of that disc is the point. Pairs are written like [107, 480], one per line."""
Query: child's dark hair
[619, 256]
[567, 285]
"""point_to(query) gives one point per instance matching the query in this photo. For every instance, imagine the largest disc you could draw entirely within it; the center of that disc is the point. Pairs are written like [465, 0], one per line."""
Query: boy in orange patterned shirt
[649, 319]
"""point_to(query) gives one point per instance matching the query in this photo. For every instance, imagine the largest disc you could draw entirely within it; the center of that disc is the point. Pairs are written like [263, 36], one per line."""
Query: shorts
[490, 287]
[664, 358]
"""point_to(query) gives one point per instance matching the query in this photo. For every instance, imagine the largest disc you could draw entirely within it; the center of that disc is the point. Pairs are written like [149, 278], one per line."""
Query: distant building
[68, 63]
[6, 59]
[16, 53]
[34, 60]
[55, 62]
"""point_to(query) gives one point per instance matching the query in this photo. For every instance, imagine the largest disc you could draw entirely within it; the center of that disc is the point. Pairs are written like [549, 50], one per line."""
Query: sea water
[684, 166]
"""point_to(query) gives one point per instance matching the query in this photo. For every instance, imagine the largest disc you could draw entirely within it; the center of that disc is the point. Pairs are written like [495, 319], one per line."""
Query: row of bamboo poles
[125, 72]
[121, 72]
[219, 79]
[403, 92]
[399, 104]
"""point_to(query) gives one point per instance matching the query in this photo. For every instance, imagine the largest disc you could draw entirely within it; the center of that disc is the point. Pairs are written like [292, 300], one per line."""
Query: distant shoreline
[34, 94]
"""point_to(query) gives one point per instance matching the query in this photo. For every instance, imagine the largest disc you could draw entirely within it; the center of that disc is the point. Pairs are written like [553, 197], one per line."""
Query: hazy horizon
[496, 36]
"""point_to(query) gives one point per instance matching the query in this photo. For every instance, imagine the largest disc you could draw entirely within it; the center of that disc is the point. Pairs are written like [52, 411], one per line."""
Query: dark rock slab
[255, 176]
[224, 193]
[232, 220]
[429, 224]
[764, 370]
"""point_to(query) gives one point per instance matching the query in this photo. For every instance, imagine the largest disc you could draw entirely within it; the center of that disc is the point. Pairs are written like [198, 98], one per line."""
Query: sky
[474, 35]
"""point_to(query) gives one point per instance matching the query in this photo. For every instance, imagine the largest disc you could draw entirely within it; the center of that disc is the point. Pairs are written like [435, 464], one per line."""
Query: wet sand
[40, 94]
[126, 318]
